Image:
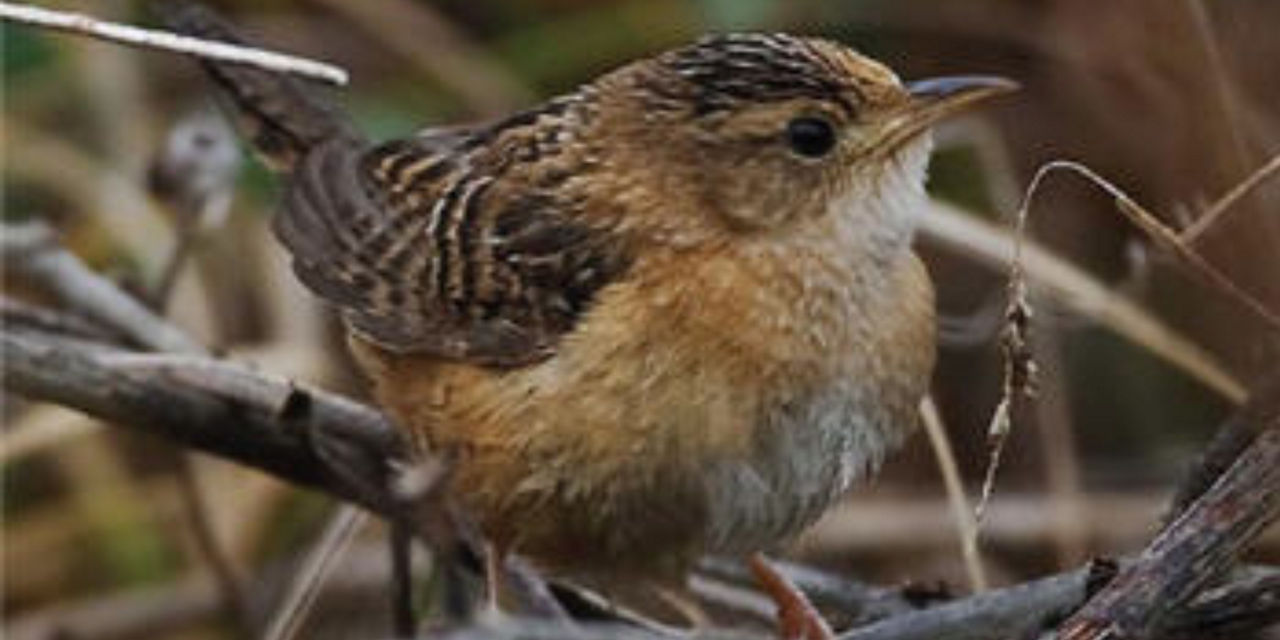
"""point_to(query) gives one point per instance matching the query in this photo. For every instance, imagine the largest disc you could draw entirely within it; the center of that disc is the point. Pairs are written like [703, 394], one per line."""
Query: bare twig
[173, 608]
[130, 220]
[995, 614]
[194, 174]
[44, 319]
[1242, 606]
[195, 510]
[1223, 91]
[1019, 367]
[31, 250]
[897, 526]
[1232, 611]
[165, 41]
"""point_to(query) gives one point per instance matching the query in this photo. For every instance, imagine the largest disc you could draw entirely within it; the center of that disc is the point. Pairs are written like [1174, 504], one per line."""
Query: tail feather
[283, 117]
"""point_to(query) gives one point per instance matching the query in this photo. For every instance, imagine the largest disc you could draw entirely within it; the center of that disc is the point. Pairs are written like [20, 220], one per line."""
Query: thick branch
[1231, 611]
[993, 614]
[305, 436]
[1230, 440]
[1194, 550]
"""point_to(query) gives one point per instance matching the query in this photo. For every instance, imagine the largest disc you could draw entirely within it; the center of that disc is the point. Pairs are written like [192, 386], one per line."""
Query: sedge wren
[672, 312]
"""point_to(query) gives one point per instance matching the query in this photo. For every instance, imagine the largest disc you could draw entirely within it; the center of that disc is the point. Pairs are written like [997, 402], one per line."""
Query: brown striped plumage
[438, 245]
[674, 311]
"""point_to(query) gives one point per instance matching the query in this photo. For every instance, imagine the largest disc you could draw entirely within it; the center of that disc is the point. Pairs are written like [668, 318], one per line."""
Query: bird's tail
[283, 117]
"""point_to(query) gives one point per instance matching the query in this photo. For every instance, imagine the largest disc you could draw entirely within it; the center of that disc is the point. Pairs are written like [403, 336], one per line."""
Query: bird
[674, 311]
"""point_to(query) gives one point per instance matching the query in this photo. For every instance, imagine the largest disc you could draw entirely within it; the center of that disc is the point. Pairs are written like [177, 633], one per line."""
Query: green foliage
[23, 52]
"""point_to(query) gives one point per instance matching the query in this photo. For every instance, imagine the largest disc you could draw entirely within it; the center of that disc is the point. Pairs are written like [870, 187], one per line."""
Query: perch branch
[1231, 438]
[305, 436]
[316, 439]
[1193, 550]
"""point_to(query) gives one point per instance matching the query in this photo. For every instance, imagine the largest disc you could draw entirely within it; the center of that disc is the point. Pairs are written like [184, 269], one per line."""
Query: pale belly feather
[808, 453]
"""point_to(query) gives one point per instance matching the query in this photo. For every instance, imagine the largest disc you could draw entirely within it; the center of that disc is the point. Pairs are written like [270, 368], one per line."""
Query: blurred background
[1174, 101]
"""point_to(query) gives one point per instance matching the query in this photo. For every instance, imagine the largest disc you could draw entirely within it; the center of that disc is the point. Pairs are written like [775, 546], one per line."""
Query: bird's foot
[797, 617]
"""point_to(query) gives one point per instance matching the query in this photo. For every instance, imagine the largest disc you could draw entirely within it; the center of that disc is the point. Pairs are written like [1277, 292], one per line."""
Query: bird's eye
[811, 137]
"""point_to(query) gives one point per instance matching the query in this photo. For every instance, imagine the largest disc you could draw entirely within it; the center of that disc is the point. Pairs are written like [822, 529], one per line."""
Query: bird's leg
[797, 618]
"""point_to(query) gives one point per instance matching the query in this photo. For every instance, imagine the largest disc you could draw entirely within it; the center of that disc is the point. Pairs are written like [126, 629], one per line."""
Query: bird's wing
[424, 255]
[423, 250]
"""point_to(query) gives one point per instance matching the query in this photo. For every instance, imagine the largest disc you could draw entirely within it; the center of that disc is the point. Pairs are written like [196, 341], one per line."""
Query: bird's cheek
[758, 196]
[752, 207]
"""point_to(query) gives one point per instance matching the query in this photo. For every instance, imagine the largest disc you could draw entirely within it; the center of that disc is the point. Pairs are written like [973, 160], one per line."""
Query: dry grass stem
[1169, 239]
[1015, 345]
[1080, 292]
[310, 578]
[1223, 89]
[1019, 376]
[1215, 213]
[957, 499]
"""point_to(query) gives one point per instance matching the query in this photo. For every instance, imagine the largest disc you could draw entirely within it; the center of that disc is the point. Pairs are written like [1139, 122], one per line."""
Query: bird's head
[767, 129]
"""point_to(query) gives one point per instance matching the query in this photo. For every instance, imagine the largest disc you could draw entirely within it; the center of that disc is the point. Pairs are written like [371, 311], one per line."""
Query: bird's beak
[935, 99]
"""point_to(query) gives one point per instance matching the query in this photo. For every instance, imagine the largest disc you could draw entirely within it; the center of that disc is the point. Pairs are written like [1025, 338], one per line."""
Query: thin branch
[1223, 90]
[31, 249]
[165, 41]
[171, 609]
[23, 314]
[194, 174]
